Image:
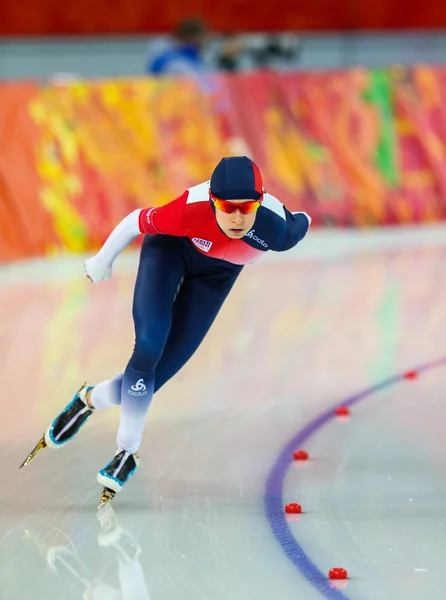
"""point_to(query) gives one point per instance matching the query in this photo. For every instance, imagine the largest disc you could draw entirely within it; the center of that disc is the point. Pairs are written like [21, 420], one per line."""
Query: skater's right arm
[100, 266]
[167, 219]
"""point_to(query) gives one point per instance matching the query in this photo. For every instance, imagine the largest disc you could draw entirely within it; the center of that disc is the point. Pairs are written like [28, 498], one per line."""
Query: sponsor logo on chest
[256, 239]
[202, 244]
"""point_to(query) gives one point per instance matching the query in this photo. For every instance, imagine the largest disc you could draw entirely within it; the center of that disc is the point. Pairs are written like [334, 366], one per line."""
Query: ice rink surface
[338, 320]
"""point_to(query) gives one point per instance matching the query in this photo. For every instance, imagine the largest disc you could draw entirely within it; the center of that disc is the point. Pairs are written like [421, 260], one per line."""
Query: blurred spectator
[229, 54]
[184, 54]
[277, 51]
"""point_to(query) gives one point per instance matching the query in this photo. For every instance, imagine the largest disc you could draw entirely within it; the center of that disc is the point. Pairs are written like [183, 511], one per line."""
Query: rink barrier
[354, 148]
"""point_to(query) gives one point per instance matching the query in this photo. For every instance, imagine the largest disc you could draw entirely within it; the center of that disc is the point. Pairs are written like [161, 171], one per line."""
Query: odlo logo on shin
[139, 389]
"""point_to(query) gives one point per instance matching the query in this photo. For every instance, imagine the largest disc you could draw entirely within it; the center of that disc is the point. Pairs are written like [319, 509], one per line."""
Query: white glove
[96, 271]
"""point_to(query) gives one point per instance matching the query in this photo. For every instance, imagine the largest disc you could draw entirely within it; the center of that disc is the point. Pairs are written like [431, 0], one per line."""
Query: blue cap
[237, 178]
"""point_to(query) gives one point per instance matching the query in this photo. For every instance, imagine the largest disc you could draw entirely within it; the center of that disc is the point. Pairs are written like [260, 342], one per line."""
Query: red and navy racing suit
[187, 268]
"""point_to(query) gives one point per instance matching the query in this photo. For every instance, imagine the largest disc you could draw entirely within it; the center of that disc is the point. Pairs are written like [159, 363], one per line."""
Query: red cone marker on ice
[338, 573]
[410, 375]
[300, 455]
[293, 508]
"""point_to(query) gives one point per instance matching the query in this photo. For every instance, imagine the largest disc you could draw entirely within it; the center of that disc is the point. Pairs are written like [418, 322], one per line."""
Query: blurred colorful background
[106, 108]
[111, 105]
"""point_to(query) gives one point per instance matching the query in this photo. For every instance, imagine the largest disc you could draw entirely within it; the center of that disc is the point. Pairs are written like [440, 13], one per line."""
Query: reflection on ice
[66, 562]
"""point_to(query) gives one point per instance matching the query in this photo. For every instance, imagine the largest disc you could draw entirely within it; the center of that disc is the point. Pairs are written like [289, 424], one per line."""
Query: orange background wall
[91, 17]
[352, 148]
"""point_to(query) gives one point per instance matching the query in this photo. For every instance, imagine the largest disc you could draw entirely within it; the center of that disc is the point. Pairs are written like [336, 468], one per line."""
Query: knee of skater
[147, 352]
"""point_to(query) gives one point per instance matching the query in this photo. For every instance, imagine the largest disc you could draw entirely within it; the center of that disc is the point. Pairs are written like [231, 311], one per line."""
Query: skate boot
[114, 475]
[65, 425]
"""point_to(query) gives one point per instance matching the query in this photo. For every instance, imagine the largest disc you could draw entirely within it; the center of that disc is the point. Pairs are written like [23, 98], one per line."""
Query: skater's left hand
[87, 275]
[96, 271]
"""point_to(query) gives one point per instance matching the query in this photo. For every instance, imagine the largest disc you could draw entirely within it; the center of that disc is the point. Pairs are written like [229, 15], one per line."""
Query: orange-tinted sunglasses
[228, 207]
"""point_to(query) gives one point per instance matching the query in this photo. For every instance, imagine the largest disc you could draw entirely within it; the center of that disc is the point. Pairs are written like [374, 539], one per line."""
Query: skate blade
[85, 385]
[39, 446]
[107, 495]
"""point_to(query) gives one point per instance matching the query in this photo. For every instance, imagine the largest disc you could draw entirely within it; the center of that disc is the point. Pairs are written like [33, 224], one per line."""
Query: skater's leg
[195, 309]
[159, 278]
[188, 329]
[187, 332]
[106, 393]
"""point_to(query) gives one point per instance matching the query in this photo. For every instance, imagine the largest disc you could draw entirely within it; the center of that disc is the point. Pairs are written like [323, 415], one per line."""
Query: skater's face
[235, 224]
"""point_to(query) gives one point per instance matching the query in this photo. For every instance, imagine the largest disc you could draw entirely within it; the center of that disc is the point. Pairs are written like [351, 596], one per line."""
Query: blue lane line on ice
[273, 498]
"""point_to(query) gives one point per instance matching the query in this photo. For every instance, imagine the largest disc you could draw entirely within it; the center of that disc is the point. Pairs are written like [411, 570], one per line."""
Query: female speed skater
[194, 249]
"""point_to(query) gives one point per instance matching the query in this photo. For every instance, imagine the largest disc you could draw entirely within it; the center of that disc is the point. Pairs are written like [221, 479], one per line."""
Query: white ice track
[301, 332]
